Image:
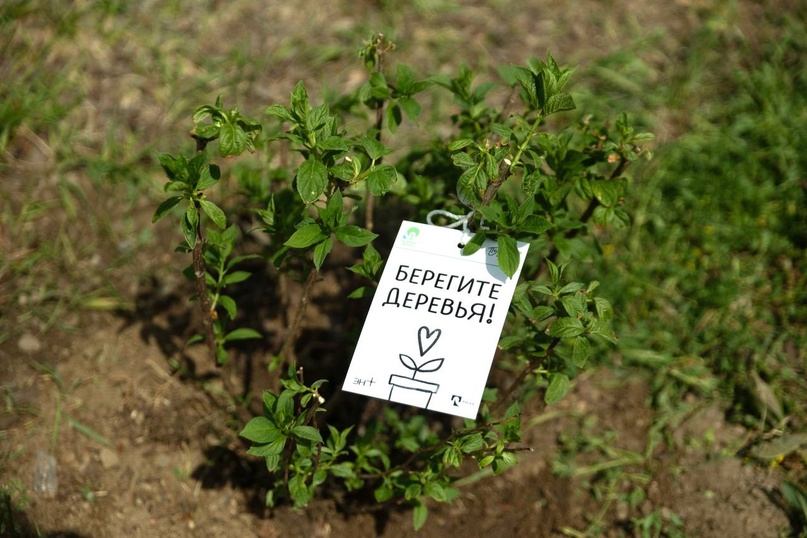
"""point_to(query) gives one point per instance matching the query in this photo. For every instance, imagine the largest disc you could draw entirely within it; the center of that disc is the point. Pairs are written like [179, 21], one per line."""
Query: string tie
[459, 220]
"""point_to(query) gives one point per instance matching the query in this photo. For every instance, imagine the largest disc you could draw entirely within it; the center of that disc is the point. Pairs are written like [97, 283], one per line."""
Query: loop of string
[459, 220]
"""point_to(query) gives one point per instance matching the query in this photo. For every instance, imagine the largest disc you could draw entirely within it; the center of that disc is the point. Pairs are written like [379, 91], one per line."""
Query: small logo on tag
[411, 234]
[493, 251]
[457, 400]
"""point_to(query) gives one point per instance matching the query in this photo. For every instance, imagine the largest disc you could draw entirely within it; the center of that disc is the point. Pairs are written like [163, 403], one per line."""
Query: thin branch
[287, 350]
[593, 204]
[531, 365]
[382, 47]
[493, 186]
[201, 290]
[199, 269]
[507, 165]
[429, 449]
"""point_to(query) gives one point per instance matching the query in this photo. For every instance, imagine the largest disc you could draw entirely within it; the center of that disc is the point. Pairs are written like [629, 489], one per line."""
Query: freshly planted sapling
[189, 178]
[509, 181]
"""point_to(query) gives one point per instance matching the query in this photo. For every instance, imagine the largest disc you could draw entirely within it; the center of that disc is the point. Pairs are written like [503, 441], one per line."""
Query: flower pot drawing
[414, 391]
[408, 389]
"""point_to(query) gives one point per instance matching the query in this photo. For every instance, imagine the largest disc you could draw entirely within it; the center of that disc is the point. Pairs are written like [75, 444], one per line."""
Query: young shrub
[507, 176]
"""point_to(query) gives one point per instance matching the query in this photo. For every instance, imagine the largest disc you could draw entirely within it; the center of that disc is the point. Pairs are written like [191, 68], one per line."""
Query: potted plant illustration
[415, 391]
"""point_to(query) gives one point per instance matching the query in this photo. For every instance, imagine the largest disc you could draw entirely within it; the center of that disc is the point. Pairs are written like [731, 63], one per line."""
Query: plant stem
[587, 214]
[287, 350]
[507, 165]
[201, 288]
[430, 449]
[379, 124]
[530, 366]
[199, 266]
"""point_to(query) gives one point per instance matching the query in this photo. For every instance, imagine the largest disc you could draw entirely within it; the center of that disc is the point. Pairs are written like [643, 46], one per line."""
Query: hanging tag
[434, 322]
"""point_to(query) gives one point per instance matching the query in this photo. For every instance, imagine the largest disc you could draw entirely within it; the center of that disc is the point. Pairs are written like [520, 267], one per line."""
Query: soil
[144, 446]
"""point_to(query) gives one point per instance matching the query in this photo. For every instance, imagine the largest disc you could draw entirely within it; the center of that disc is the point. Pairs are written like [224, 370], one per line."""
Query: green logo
[411, 234]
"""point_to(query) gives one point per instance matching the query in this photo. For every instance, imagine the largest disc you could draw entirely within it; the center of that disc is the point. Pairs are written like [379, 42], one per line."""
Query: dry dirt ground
[142, 449]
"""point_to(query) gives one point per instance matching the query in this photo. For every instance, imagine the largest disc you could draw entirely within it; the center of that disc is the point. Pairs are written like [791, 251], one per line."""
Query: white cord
[460, 220]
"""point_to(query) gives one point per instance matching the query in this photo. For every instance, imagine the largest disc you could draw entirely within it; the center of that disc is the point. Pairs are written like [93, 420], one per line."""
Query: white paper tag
[434, 322]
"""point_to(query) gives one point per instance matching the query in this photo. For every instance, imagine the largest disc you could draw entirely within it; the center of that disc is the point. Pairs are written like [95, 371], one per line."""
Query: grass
[715, 276]
[712, 283]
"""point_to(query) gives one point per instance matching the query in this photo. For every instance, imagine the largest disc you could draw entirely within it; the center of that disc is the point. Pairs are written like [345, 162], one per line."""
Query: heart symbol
[427, 339]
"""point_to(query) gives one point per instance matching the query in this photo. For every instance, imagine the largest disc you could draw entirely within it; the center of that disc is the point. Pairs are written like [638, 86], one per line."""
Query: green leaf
[554, 271]
[284, 406]
[281, 112]
[383, 493]
[535, 224]
[502, 130]
[507, 256]
[458, 145]
[362, 292]
[299, 491]
[166, 206]
[312, 178]
[410, 107]
[304, 237]
[574, 304]
[607, 192]
[209, 177]
[380, 179]
[228, 303]
[558, 103]
[208, 131]
[419, 515]
[508, 342]
[486, 461]
[260, 430]
[232, 140]
[463, 160]
[189, 222]
[526, 80]
[242, 333]
[540, 313]
[491, 213]
[435, 491]
[307, 433]
[604, 309]
[452, 456]
[504, 462]
[214, 212]
[472, 443]
[207, 110]
[571, 288]
[405, 79]
[235, 277]
[317, 118]
[394, 117]
[353, 236]
[474, 244]
[331, 214]
[559, 385]
[565, 328]
[581, 349]
[333, 143]
[375, 149]
[300, 105]
[268, 450]
[513, 410]
[321, 252]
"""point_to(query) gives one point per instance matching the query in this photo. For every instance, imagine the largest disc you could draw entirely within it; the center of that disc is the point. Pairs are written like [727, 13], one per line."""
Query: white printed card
[434, 322]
